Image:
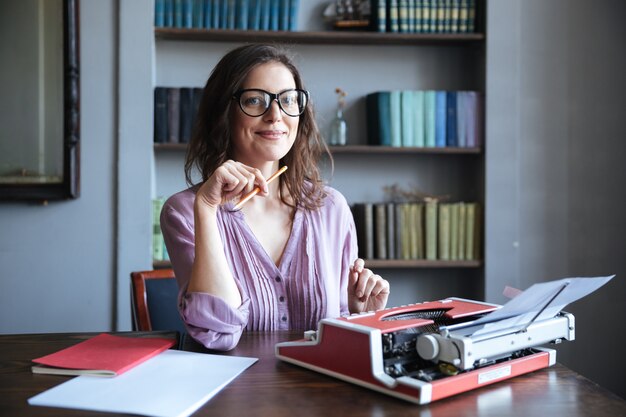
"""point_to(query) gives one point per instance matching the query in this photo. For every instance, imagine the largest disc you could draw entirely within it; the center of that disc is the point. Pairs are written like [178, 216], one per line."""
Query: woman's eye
[253, 101]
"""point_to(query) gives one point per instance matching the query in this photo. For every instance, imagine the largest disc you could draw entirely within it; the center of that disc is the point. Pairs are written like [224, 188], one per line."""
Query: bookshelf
[446, 61]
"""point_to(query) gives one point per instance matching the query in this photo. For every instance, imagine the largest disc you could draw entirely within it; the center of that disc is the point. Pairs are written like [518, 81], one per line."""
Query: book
[102, 355]
[198, 14]
[430, 223]
[378, 17]
[188, 14]
[186, 114]
[408, 118]
[391, 231]
[283, 15]
[401, 232]
[454, 232]
[173, 114]
[395, 112]
[159, 13]
[160, 115]
[207, 14]
[418, 119]
[430, 118]
[157, 236]
[274, 14]
[451, 133]
[363, 214]
[444, 231]
[393, 24]
[380, 231]
[378, 118]
[461, 119]
[294, 9]
[440, 119]
[416, 216]
[178, 13]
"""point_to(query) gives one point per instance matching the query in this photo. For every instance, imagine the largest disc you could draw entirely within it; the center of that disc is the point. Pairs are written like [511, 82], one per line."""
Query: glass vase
[338, 130]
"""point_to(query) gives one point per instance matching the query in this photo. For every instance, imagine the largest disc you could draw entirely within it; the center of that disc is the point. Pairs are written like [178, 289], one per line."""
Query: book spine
[173, 115]
[430, 223]
[434, 16]
[440, 119]
[241, 14]
[395, 108]
[425, 7]
[391, 230]
[283, 15]
[168, 13]
[463, 14]
[207, 17]
[186, 114]
[454, 17]
[216, 14]
[444, 231]
[363, 214]
[178, 13]
[447, 15]
[392, 16]
[403, 16]
[461, 119]
[418, 16]
[274, 14]
[407, 118]
[254, 15]
[188, 14]
[157, 237]
[160, 115]
[461, 238]
[411, 7]
[470, 222]
[265, 14]
[454, 232]
[294, 11]
[380, 234]
[430, 117]
[451, 133]
[471, 16]
[380, 13]
[441, 16]
[400, 225]
[159, 13]
[418, 117]
[232, 14]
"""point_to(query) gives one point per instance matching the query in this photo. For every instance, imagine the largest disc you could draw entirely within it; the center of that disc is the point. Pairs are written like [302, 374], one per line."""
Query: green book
[430, 223]
[461, 228]
[470, 226]
[417, 216]
[157, 237]
[454, 232]
[444, 231]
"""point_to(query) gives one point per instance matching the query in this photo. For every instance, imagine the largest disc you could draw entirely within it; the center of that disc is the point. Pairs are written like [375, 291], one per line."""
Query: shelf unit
[461, 42]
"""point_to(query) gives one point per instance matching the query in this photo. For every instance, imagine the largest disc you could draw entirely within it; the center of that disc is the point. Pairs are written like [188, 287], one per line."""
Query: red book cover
[102, 355]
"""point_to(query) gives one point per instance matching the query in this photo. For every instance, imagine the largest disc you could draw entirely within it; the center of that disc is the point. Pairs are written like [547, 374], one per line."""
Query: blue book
[440, 119]
[430, 118]
[378, 118]
[168, 12]
[207, 17]
[451, 134]
[294, 8]
[395, 110]
[265, 14]
[408, 118]
[242, 14]
[159, 13]
[473, 119]
[419, 127]
[283, 15]
[188, 14]
[231, 14]
[274, 14]
[254, 15]
[216, 14]
[178, 13]
[224, 14]
[198, 14]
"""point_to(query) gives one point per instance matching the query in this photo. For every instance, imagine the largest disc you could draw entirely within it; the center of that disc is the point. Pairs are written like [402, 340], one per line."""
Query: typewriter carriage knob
[427, 347]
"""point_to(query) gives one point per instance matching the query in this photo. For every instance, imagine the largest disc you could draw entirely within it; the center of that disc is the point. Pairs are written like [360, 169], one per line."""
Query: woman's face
[266, 138]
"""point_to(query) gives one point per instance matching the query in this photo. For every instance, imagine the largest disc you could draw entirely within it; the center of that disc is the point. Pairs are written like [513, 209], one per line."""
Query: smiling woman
[39, 109]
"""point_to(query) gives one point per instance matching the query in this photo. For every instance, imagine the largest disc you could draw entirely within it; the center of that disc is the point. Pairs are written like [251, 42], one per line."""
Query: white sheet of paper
[172, 384]
[519, 311]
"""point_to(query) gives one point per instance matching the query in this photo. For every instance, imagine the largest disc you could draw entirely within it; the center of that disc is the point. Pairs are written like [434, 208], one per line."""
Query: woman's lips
[271, 134]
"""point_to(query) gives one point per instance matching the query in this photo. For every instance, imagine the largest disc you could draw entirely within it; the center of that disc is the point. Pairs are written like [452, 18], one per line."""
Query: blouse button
[277, 279]
[284, 318]
[281, 298]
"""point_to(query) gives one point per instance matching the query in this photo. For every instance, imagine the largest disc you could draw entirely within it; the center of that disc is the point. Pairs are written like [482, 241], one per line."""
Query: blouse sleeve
[349, 251]
[209, 319]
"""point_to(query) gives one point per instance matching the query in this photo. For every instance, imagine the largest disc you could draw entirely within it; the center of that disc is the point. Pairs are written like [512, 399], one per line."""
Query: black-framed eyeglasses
[255, 102]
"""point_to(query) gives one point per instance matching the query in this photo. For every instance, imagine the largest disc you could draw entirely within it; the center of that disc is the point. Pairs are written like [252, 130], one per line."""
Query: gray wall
[556, 95]
[554, 170]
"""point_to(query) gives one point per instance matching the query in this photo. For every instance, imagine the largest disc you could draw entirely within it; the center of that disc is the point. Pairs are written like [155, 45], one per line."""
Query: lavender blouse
[309, 284]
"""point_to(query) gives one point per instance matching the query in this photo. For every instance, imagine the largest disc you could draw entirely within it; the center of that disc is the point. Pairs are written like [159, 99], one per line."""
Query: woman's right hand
[229, 180]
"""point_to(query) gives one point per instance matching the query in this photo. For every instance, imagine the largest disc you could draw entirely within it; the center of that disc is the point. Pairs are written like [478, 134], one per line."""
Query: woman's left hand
[366, 290]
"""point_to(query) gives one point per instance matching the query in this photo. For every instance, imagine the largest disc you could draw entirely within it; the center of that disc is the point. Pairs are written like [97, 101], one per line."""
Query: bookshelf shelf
[355, 149]
[387, 264]
[318, 38]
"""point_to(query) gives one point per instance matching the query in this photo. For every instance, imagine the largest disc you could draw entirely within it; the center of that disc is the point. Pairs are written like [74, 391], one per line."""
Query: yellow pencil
[257, 189]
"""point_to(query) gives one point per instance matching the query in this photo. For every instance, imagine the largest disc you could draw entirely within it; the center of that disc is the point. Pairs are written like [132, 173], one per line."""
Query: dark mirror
[39, 109]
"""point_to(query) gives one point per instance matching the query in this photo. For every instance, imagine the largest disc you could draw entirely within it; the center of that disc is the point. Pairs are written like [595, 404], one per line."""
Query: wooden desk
[275, 388]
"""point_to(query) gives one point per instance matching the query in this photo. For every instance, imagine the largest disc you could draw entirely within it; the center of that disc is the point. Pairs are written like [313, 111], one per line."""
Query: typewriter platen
[433, 350]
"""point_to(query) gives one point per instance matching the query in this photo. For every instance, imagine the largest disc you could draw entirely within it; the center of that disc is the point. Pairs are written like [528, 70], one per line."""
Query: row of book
[227, 14]
[424, 118]
[424, 16]
[175, 110]
[430, 230]
[159, 251]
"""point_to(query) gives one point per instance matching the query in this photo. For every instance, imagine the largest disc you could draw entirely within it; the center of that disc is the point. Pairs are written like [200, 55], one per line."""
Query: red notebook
[102, 355]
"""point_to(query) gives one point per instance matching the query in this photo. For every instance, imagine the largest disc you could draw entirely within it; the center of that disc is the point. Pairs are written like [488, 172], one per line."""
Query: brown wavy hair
[211, 143]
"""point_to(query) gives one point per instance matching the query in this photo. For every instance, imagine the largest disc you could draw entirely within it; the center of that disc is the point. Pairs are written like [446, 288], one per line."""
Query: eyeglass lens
[256, 102]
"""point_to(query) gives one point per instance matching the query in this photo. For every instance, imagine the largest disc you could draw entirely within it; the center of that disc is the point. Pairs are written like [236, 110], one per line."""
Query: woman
[288, 258]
